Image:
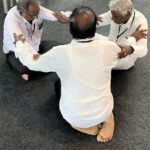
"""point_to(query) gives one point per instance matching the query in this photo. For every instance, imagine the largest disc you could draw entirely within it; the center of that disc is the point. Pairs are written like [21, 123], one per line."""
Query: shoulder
[109, 46]
[13, 15]
[140, 19]
[140, 16]
[59, 50]
[106, 43]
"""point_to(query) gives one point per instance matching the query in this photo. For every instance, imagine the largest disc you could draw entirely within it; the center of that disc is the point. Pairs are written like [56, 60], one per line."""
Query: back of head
[23, 5]
[123, 6]
[83, 23]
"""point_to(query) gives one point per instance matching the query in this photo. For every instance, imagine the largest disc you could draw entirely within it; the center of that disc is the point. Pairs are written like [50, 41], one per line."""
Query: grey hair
[123, 6]
[23, 5]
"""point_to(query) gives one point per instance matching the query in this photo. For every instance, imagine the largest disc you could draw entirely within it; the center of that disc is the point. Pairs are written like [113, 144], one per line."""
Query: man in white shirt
[27, 19]
[129, 27]
[84, 68]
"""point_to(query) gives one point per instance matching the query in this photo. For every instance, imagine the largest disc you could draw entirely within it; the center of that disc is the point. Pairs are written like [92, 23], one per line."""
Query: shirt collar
[25, 21]
[83, 40]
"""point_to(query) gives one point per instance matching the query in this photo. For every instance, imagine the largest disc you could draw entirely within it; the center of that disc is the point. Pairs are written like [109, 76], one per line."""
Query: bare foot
[90, 131]
[25, 77]
[107, 130]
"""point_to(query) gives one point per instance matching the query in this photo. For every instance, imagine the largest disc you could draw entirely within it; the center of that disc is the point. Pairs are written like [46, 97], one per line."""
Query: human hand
[139, 33]
[125, 51]
[99, 18]
[61, 17]
[36, 56]
[18, 38]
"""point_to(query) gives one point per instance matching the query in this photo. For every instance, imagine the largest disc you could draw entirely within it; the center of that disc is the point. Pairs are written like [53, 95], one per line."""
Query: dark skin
[139, 33]
[21, 38]
[32, 13]
[61, 17]
[119, 18]
[128, 50]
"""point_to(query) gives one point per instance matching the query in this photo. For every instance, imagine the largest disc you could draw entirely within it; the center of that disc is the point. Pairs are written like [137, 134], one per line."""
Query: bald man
[84, 68]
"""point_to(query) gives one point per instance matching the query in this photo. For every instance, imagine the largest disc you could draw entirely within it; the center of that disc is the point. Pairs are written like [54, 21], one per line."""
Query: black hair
[23, 5]
[82, 33]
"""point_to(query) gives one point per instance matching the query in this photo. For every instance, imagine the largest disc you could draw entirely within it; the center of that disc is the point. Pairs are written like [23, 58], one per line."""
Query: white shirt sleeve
[67, 13]
[106, 19]
[111, 55]
[25, 54]
[140, 47]
[47, 14]
[11, 26]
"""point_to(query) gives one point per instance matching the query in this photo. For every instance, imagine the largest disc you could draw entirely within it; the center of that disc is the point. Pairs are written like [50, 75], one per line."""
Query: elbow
[145, 51]
[141, 52]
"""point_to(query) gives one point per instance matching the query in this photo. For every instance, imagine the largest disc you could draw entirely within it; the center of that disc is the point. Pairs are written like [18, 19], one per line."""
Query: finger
[138, 28]
[99, 18]
[23, 40]
[144, 30]
[55, 14]
[36, 56]
[15, 35]
[58, 13]
[145, 36]
[120, 55]
[121, 46]
[20, 36]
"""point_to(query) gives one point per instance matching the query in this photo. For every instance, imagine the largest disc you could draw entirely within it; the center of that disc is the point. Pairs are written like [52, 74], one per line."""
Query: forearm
[25, 54]
[47, 14]
[106, 19]
[140, 47]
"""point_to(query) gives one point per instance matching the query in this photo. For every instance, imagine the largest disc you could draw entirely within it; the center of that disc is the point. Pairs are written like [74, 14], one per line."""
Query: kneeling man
[84, 68]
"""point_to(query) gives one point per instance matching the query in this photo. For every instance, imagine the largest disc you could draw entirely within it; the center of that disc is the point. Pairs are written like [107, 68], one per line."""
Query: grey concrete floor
[29, 113]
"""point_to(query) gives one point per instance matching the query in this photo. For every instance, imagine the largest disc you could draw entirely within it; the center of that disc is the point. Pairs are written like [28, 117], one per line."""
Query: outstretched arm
[104, 19]
[138, 40]
[62, 17]
[31, 58]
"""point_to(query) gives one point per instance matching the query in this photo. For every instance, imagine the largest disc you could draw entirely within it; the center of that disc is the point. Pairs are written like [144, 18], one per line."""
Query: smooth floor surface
[29, 112]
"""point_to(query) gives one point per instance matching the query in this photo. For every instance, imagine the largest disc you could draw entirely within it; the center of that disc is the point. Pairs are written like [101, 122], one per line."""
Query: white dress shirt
[121, 34]
[15, 23]
[85, 73]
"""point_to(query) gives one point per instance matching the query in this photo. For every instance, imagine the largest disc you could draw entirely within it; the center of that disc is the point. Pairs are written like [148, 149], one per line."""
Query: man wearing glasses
[27, 19]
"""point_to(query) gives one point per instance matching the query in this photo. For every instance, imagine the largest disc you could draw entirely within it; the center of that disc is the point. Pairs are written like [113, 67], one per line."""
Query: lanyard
[125, 29]
[30, 34]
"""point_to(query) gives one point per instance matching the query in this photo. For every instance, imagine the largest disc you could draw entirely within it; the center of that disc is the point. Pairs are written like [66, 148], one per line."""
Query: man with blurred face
[128, 29]
[27, 19]
[84, 68]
